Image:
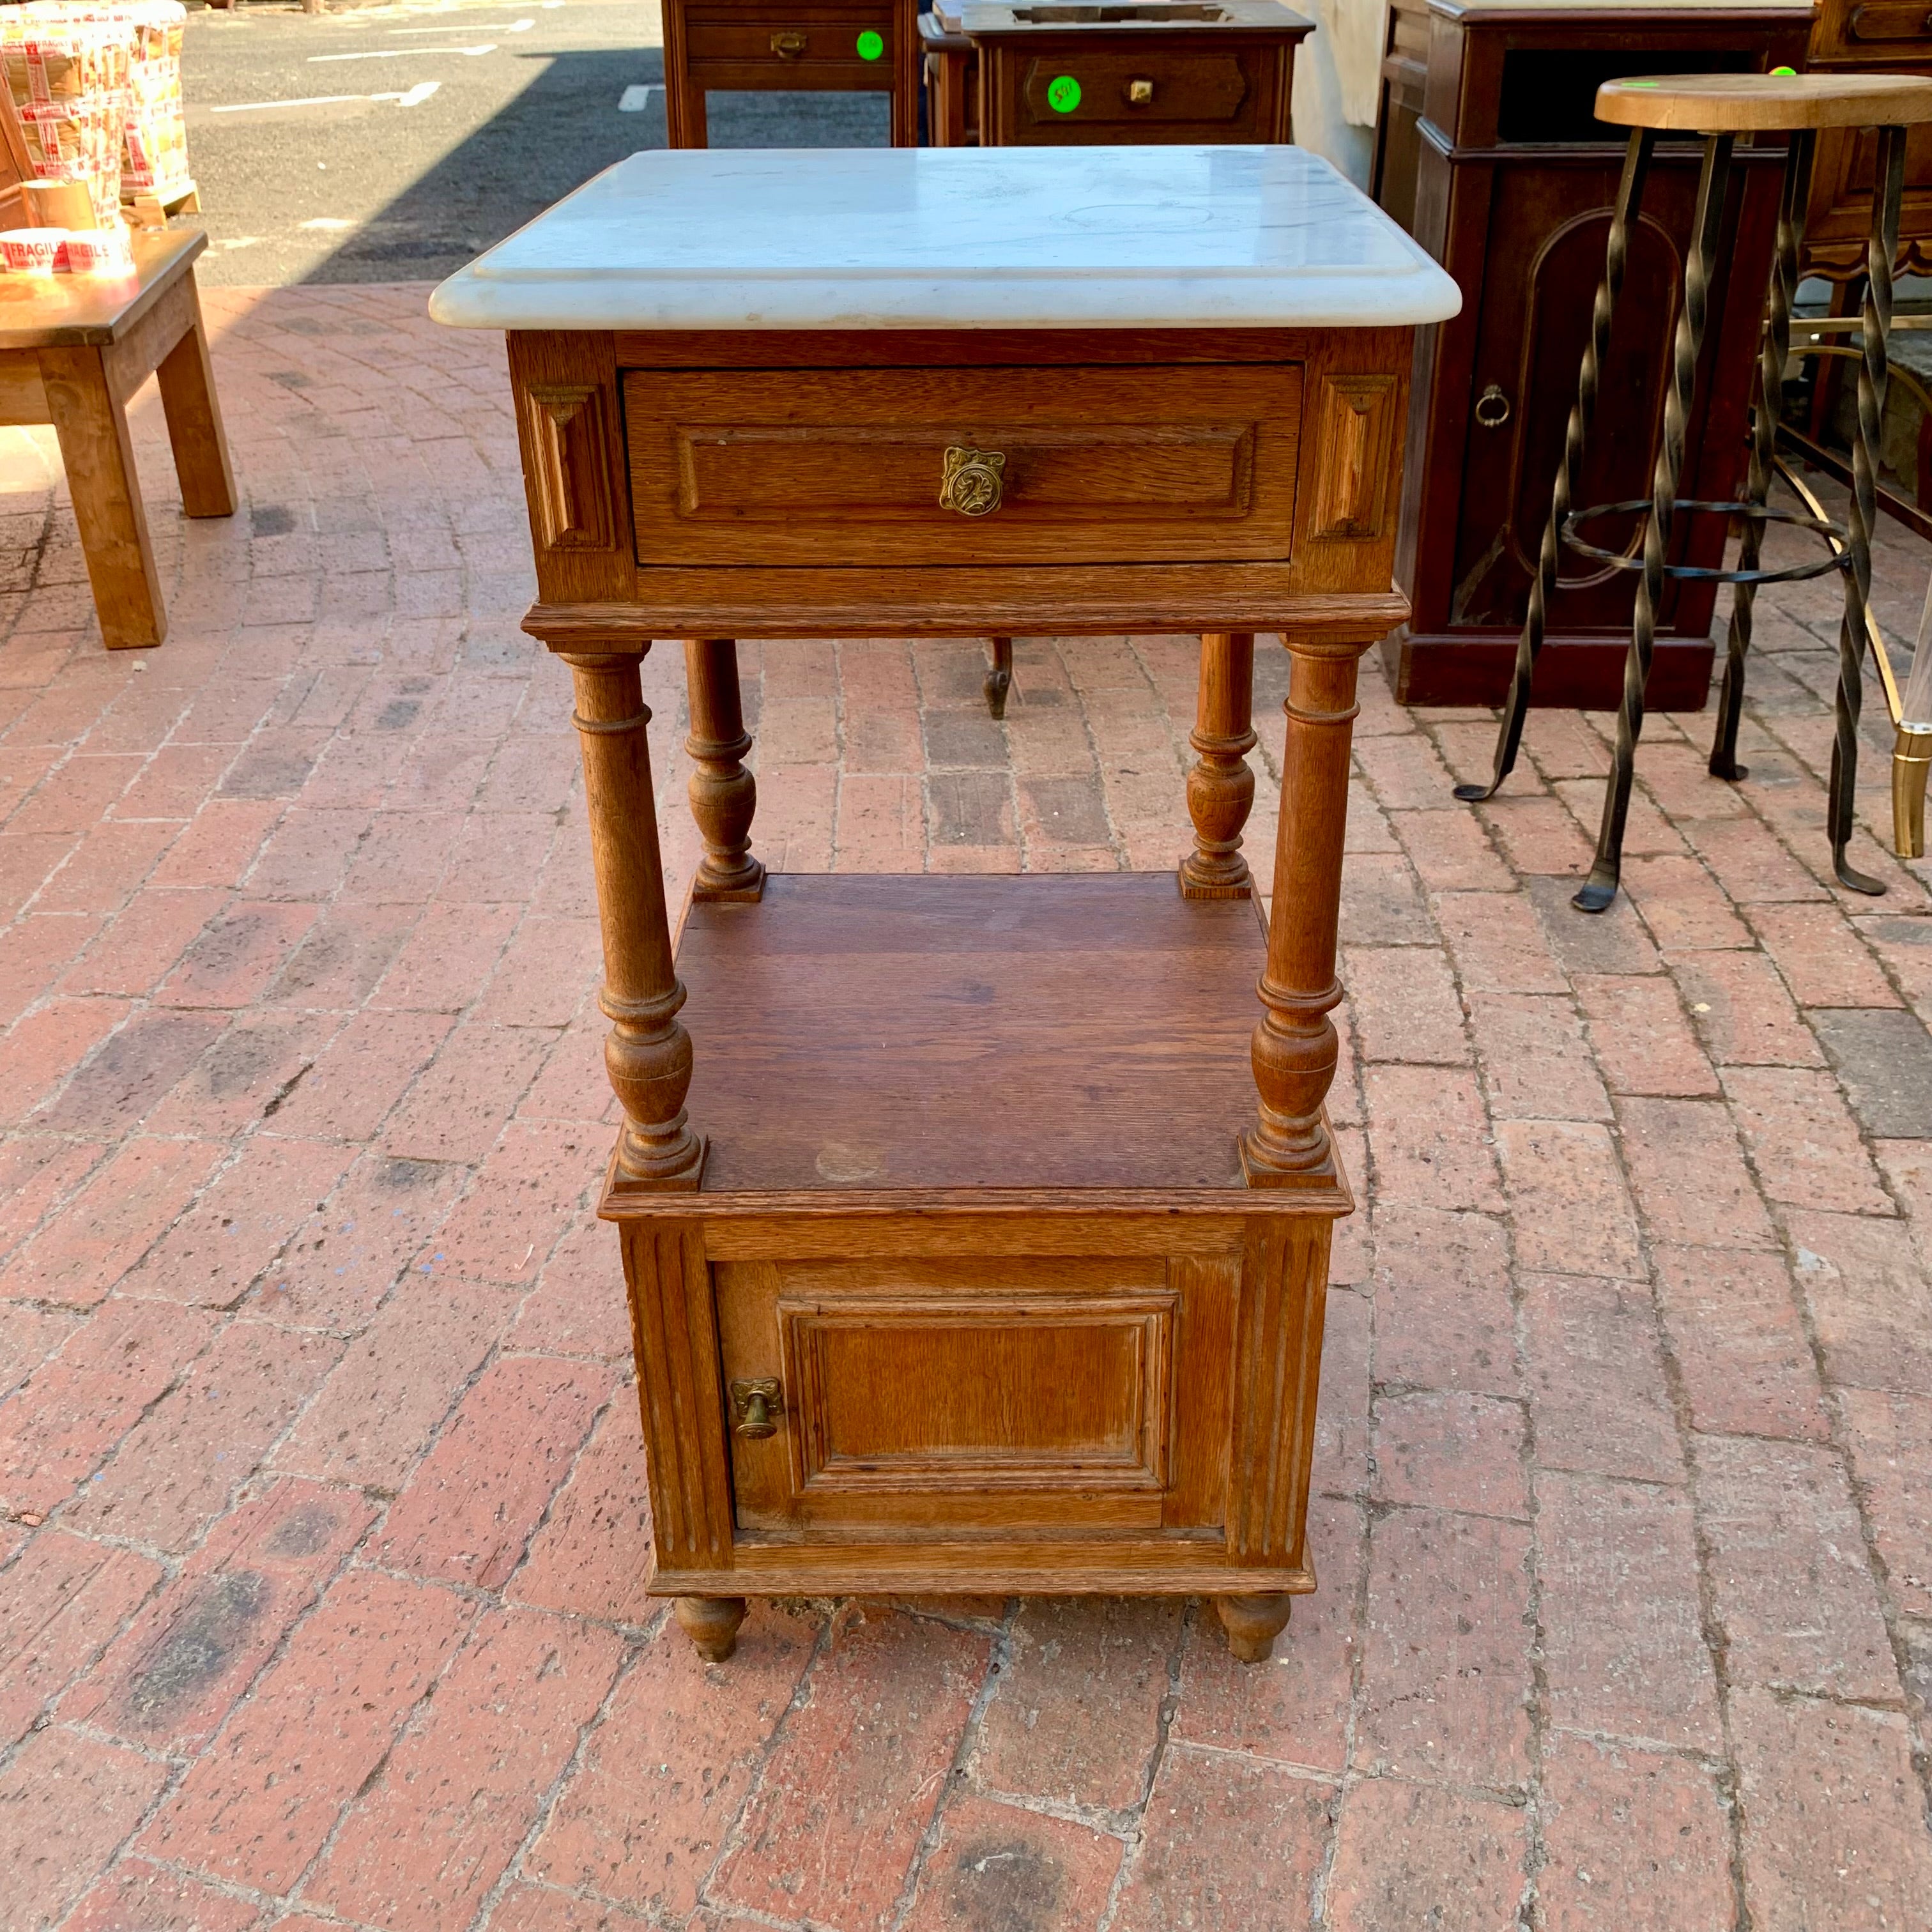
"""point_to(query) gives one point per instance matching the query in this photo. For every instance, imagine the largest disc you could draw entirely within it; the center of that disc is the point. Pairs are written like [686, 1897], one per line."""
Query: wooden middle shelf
[1056, 1031]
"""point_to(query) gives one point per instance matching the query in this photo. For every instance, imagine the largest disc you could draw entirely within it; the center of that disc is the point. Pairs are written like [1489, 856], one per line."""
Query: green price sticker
[1063, 95]
[1784, 73]
[870, 45]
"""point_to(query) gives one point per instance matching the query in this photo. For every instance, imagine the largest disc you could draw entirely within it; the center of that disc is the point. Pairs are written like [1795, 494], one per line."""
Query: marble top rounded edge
[751, 239]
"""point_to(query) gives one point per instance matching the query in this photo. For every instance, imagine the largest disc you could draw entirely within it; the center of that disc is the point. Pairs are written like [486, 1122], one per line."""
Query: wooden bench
[73, 349]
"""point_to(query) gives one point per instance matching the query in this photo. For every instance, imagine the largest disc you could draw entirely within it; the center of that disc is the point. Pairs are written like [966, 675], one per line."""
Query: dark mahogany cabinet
[1489, 150]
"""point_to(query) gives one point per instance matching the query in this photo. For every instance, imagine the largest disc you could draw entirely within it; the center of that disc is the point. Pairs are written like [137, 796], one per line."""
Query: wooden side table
[820, 46]
[73, 349]
[935, 1288]
[1068, 73]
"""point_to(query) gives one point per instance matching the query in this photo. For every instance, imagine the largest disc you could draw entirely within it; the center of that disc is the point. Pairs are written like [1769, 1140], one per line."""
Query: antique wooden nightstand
[1068, 73]
[963, 1252]
[818, 46]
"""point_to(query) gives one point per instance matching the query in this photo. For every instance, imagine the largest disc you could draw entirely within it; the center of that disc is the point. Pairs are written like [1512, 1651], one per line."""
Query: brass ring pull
[756, 1405]
[972, 481]
[1493, 408]
[787, 46]
[1140, 93]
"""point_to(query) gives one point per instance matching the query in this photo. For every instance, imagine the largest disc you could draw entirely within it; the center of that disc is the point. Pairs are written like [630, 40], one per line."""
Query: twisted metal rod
[1767, 398]
[1599, 889]
[1875, 323]
[1529, 645]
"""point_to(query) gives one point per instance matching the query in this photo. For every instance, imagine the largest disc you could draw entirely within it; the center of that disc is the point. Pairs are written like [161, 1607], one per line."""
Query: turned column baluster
[1221, 787]
[648, 1053]
[1294, 1046]
[723, 794]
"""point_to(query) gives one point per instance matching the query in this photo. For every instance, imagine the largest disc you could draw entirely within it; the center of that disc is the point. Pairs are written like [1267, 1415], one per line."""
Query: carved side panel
[1278, 1364]
[674, 1333]
[570, 487]
[1356, 440]
[569, 425]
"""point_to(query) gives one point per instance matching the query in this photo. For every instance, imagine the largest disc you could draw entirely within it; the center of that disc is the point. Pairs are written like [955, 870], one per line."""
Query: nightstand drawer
[821, 467]
[1875, 30]
[1164, 87]
[779, 38]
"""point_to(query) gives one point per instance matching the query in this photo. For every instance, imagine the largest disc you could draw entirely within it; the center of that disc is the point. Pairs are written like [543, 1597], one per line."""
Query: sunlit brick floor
[324, 1514]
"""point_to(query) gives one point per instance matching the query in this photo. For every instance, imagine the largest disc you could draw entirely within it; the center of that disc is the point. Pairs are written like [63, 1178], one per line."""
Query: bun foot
[711, 1624]
[1252, 1624]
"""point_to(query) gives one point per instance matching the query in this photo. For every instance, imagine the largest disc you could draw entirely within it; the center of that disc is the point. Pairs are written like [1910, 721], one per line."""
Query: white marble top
[956, 237]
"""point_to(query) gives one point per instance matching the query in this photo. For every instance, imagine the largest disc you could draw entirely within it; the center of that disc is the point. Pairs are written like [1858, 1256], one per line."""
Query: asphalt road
[394, 143]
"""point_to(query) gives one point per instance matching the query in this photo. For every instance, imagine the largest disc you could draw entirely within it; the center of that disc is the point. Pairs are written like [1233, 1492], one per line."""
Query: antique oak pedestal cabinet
[976, 1233]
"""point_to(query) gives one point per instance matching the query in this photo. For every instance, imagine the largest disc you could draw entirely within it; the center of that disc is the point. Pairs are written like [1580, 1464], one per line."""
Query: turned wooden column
[1221, 787]
[1294, 1046]
[724, 795]
[648, 1053]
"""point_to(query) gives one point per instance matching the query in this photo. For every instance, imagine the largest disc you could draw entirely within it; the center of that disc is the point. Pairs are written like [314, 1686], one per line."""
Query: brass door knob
[1493, 408]
[787, 46]
[756, 1406]
[972, 481]
[1139, 93]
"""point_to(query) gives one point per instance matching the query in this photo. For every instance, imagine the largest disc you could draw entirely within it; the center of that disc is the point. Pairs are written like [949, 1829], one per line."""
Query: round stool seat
[1738, 103]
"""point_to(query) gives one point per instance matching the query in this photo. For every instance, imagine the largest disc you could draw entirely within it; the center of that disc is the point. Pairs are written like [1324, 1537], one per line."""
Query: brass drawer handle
[756, 1406]
[1140, 93]
[972, 481]
[1493, 408]
[787, 46]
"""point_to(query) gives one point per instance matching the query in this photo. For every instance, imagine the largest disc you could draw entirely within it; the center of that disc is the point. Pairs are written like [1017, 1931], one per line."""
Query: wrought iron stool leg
[1766, 399]
[1601, 887]
[1874, 324]
[1623, 219]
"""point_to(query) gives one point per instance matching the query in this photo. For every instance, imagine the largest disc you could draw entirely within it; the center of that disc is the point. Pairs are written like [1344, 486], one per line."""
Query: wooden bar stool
[1718, 108]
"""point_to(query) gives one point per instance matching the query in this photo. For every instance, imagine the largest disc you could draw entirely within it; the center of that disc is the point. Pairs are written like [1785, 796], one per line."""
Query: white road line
[636, 97]
[514, 27]
[403, 53]
[414, 97]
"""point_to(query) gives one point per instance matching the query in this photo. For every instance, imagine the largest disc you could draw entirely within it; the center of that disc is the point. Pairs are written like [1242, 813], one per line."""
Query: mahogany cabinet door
[918, 1395]
[1547, 230]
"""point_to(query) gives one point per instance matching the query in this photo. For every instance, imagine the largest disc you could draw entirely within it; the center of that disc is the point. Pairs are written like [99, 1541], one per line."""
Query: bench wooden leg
[188, 400]
[92, 427]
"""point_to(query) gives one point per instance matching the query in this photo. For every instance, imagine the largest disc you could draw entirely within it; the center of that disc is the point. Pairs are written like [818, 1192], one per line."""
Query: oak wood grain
[836, 467]
[906, 1032]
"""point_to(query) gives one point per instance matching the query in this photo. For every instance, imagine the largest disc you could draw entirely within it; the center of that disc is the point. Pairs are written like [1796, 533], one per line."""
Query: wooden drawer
[784, 38]
[1876, 31]
[1127, 464]
[972, 1394]
[1168, 88]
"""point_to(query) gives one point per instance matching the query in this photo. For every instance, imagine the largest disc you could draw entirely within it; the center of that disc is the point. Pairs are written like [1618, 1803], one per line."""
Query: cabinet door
[1547, 230]
[893, 1397]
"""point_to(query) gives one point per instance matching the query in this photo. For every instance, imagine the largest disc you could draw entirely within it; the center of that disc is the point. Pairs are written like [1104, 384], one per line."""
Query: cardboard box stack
[97, 90]
[68, 77]
[154, 150]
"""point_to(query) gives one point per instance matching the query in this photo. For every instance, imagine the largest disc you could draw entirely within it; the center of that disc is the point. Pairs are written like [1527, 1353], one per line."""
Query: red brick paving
[323, 1503]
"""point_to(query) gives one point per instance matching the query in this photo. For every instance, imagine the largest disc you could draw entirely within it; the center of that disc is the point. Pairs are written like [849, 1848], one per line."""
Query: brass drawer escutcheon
[1139, 93]
[972, 481]
[788, 46]
[756, 1406]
